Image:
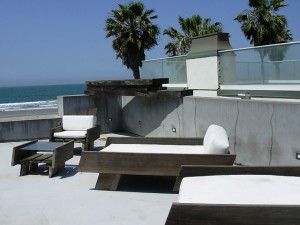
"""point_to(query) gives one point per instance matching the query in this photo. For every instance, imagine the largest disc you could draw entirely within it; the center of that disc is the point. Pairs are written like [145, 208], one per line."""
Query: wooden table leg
[107, 181]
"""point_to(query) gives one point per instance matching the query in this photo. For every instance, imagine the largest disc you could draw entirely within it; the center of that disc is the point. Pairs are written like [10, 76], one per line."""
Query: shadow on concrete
[43, 170]
[149, 184]
[69, 171]
[143, 115]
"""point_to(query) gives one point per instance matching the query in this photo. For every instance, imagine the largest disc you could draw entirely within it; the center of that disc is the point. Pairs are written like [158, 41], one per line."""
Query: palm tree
[134, 32]
[263, 26]
[191, 27]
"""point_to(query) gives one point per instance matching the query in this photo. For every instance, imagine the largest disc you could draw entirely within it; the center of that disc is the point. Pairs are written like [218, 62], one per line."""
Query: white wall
[202, 73]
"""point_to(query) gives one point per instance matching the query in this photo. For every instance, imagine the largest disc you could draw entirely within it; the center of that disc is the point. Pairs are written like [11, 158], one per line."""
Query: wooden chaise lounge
[147, 156]
[233, 195]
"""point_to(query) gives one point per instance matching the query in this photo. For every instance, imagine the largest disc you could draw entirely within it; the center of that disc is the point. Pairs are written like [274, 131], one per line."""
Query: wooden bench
[30, 154]
[31, 163]
[111, 166]
[218, 214]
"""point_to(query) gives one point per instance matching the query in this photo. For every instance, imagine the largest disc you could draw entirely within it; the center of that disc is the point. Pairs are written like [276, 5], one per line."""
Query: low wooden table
[28, 155]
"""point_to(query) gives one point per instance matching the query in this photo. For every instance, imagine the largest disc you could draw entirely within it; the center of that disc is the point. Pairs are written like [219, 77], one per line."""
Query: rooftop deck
[69, 198]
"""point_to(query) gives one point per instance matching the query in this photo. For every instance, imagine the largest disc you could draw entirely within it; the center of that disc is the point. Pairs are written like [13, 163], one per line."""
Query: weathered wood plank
[132, 82]
[154, 140]
[146, 163]
[159, 93]
[41, 158]
[212, 214]
[108, 182]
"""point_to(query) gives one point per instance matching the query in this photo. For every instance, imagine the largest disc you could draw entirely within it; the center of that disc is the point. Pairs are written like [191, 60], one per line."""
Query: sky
[63, 41]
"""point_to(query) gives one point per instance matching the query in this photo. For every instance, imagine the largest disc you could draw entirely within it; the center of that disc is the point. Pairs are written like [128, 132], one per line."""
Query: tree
[134, 32]
[263, 26]
[191, 27]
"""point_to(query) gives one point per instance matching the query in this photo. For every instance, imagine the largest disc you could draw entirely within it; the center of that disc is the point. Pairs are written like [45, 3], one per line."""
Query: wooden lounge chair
[276, 201]
[80, 128]
[149, 156]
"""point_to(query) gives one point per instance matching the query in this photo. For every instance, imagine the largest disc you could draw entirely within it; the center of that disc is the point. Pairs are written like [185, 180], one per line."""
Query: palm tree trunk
[136, 72]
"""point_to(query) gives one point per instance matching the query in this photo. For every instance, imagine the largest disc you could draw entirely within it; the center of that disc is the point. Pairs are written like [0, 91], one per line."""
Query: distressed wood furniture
[112, 165]
[216, 214]
[80, 128]
[28, 155]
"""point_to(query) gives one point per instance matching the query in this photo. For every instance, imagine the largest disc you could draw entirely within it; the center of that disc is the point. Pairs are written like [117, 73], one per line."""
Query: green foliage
[191, 27]
[262, 25]
[134, 32]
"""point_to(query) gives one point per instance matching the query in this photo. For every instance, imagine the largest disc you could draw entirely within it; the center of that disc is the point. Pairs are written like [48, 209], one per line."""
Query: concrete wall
[108, 109]
[27, 129]
[260, 132]
[74, 104]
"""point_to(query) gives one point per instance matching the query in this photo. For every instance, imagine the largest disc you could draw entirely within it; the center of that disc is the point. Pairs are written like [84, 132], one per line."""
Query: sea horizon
[36, 96]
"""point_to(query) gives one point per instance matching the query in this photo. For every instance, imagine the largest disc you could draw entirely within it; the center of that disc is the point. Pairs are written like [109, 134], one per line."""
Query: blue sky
[63, 41]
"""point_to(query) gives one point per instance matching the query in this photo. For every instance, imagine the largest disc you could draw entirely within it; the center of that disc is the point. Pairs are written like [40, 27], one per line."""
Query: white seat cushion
[78, 122]
[240, 189]
[70, 134]
[216, 140]
[153, 148]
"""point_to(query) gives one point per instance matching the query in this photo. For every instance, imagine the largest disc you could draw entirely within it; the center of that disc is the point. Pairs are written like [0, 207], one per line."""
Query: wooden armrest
[53, 130]
[154, 140]
[93, 133]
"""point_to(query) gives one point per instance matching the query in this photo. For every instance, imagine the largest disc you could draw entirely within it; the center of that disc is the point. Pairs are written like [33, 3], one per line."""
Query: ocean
[35, 97]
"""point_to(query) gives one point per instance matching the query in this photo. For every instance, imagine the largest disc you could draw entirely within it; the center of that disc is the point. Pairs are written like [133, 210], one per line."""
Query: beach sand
[28, 114]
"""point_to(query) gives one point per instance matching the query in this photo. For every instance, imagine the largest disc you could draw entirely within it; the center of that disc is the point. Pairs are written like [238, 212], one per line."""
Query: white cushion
[240, 189]
[154, 148]
[216, 140]
[70, 134]
[78, 122]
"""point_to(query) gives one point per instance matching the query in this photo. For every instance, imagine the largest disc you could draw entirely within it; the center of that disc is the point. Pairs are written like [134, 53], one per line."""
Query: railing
[274, 64]
[173, 68]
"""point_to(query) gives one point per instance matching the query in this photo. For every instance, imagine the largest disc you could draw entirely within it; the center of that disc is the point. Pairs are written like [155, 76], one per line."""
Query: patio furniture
[80, 128]
[153, 156]
[218, 195]
[30, 154]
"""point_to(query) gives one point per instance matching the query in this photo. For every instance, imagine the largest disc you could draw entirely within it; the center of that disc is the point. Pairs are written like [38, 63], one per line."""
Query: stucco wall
[260, 132]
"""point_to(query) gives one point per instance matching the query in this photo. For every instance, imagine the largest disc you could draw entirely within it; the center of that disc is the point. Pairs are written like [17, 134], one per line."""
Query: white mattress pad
[152, 148]
[241, 189]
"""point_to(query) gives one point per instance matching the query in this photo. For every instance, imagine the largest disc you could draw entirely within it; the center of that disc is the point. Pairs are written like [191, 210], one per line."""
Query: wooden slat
[146, 163]
[212, 214]
[30, 158]
[48, 160]
[41, 158]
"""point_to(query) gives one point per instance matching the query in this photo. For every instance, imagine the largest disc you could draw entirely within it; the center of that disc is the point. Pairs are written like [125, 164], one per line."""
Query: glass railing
[267, 65]
[173, 68]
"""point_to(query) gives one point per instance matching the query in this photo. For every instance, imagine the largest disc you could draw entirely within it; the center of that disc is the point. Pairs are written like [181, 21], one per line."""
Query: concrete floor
[69, 197]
